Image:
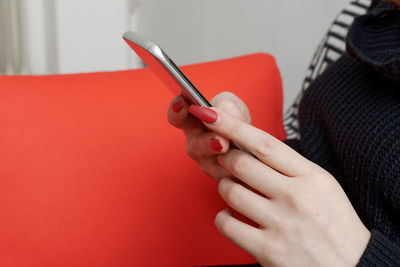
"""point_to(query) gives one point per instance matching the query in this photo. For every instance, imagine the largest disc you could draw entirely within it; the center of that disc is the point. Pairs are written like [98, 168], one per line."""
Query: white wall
[87, 34]
[90, 35]
[195, 31]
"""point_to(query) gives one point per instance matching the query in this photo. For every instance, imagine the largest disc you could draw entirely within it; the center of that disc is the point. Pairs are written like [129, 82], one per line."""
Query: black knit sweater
[350, 125]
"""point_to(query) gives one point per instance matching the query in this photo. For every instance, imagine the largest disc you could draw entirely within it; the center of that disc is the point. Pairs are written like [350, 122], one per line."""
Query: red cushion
[91, 173]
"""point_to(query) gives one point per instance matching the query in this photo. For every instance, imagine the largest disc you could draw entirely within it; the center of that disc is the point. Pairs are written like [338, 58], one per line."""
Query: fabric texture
[92, 174]
[350, 125]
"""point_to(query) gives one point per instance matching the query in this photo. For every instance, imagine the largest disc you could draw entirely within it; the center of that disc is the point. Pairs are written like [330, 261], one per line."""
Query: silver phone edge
[157, 52]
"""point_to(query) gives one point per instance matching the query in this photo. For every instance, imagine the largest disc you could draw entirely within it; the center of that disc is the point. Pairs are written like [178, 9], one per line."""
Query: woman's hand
[304, 216]
[203, 145]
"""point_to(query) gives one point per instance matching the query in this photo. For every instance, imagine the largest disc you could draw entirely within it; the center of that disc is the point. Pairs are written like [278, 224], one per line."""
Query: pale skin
[304, 216]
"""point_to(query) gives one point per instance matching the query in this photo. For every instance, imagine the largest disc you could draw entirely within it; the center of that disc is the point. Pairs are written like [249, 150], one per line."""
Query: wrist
[359, 246]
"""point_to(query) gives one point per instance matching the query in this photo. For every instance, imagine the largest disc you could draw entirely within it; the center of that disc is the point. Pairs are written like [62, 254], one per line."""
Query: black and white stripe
[332, 46]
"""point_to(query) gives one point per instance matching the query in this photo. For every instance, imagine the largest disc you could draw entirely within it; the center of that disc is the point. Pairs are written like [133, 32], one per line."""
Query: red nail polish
[205, 114]
[215, 144]
[178, 104]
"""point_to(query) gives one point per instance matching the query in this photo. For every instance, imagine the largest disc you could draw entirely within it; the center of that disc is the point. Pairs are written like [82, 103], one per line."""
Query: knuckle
[227, 105]
[233, 108]
[190, 151]
[267, 145]
[227, 94]
[223, 224]
[292, 200]
[234, 127]
[239, 163]
[171, 119]
[234, 194]
[223, 96]
[209, 170]
[233, 104]
[175, 119]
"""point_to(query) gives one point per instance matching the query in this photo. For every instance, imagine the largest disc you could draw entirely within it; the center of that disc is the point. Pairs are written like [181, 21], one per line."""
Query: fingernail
[203, 113]
[215, 144]
[178, 104]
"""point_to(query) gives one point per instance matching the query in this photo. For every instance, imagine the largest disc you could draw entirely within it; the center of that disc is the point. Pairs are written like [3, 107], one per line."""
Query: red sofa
[91, 173]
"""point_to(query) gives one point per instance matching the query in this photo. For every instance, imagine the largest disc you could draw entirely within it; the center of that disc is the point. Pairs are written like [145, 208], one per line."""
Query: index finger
[264, 146]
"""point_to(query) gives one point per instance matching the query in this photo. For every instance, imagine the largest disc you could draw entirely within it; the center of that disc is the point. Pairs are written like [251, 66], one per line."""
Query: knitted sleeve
[294, 143]
[380, 252]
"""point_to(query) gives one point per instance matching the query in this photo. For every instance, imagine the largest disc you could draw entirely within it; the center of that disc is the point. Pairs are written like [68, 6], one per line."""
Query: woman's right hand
[203, 145]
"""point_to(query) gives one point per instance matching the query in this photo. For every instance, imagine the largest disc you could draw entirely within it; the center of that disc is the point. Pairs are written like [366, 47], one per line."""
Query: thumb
[232, 104]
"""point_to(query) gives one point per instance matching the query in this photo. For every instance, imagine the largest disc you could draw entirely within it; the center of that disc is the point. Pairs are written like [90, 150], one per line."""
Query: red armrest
[91, 173]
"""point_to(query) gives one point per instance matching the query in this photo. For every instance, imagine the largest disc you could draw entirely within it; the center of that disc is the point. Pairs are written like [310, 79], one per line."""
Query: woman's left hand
[304, 216]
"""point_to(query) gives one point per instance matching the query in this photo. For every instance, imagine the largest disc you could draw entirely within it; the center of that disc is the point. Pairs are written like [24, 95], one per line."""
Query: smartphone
[164, 68]
[167, 71]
